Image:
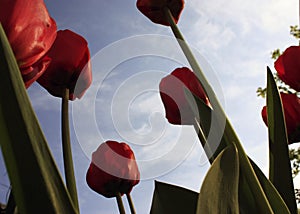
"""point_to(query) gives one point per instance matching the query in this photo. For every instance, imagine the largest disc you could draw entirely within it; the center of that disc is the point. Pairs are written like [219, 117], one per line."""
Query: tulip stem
[120, 203]
[130, 202]
[66, 147]
[203, 141]
[218, 112]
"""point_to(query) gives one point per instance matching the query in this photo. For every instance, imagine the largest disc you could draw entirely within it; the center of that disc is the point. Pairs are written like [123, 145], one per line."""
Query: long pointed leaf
[274, 197]
[219, 191]
[36, 183]
[280, 172]
[248, 200]
[168, 198]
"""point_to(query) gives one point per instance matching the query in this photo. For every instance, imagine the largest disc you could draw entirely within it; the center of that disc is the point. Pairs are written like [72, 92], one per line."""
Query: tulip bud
[288, 67]
[113, 169]
[70, 66]
[154, 9]
[171, 87]
[291, 108]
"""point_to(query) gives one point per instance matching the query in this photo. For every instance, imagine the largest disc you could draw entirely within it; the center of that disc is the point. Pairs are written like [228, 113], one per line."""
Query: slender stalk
[120, 203]
[130, 202]
[66, 146]
[218, 110]
[203, 141]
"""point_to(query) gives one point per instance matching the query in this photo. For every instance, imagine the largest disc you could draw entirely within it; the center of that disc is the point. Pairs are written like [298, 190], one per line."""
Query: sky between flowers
[232, 41]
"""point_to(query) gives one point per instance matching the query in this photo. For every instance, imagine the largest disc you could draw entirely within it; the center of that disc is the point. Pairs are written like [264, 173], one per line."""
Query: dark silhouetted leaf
[280, 172]
[36, 183]
[219, 191]
[248, 200]
[168, 198]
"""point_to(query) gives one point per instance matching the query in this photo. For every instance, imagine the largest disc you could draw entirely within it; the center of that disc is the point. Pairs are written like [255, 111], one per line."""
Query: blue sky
[232, 41]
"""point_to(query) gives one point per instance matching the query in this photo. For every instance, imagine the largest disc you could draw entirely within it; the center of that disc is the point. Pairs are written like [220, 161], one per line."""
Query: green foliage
[275, 54]
[295, 31]
[280, 168]
[219, 191]
[248, 198]
[282, 87]
[294, 155]
[36, 182]
[297, 194]
[261, 92]
[168, 198]
[277, 203]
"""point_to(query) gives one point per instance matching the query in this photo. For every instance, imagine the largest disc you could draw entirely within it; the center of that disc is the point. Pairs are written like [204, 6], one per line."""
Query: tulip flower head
[154, 9]
[70, 66]
[113, 169]
[171, 87]
[291, 107]
[288, 67]
[31, 32]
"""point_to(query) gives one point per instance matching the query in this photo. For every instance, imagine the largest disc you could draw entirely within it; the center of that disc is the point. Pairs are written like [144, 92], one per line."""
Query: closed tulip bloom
[171, 88]
[154, 9]
[291, 107]
[70, 66]
[288, 67]
[31, 32]
[113, 169]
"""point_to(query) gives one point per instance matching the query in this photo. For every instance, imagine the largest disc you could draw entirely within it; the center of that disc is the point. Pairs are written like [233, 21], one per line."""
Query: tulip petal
[154, 9]
[171, 89]
[70, 66]
[288, 67]
[113, 169]
[30, 31]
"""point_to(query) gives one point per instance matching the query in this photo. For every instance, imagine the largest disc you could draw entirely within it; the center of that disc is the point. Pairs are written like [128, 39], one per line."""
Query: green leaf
[280, 171]
[248, 199]
[11, 204]
[36, 183]
[168, 198]
[214, 141]
[219, 191]
[276, 201]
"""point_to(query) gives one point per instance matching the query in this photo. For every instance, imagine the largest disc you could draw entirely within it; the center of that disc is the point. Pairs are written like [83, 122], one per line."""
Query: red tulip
[291, 106]
[31, 32]
[171, 89]
[113, 169]
[154, 9]
[70, 66]
[288, 67]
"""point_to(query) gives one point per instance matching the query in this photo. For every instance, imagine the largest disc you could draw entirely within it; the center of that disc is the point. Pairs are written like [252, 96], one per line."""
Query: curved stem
[229, 136]
[120, 203]
[130, 202]
[67, 151]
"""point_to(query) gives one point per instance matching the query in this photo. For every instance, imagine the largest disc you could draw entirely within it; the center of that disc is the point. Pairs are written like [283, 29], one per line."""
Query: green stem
[120, 203]
[230, 138]
[203, 140]
[130, 202]
[66, 146]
